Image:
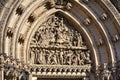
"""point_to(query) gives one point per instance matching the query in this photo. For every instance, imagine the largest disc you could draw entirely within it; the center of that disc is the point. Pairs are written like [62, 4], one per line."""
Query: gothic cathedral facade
[59, 40]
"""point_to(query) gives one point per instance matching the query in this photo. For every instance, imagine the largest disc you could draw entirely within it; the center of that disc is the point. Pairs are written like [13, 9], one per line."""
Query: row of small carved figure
[60, 57]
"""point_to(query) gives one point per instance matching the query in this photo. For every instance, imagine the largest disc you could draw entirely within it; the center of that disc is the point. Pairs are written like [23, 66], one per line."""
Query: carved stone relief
[61, 4]
[56, 42]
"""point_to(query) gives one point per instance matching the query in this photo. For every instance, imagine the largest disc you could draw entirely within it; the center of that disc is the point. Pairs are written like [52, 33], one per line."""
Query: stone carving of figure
[82, 56]
[61, 56]
[69, 57]
[80, 61]
[74, 59]
[71, 37]
[38, 37]
[56, 22]
[66, 38]
[36, 55]
[75, 39]
[65, 57]
[32, 56]
[53, 58]
[87, 59]
[80, 42]
[46, 58]
[40, 57]
[57, 33]
[106, 74]
[57, 56]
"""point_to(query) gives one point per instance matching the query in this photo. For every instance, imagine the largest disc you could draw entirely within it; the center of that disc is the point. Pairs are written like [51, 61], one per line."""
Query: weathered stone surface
[59, 39]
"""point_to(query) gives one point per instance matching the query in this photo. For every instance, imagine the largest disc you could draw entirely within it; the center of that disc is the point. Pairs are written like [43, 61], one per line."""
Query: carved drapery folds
[56, 42]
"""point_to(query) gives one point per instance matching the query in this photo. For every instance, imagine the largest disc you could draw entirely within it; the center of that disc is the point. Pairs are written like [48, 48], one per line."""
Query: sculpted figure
[75, 39]
[65, 57]
[57, 42]
[69, 57]
[74, 60]
[61, 56]
[32, 56]
[106, 74]
[80, 60]
[87, 59]
[82, 56]
[36, 55]
[40, 57]
[46, 54]
[58, 56]
[38, 37]
[53, 58]
[80, 42]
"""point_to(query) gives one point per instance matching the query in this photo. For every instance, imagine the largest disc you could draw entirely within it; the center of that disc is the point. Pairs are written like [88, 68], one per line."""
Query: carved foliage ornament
[56, 42]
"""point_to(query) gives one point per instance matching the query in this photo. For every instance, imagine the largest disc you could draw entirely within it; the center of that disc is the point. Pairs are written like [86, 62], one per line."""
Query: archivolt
[97, 33]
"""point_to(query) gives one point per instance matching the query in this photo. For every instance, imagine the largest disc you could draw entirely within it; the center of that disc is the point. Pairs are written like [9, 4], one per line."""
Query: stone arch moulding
[93, 19]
